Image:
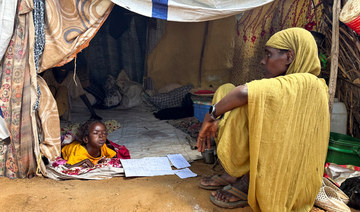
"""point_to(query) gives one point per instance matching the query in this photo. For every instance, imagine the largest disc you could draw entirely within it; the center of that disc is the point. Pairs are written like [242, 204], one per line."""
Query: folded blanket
[108, 169]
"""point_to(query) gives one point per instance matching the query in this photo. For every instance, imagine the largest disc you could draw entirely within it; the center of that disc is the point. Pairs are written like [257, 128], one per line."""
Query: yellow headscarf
[304, 46]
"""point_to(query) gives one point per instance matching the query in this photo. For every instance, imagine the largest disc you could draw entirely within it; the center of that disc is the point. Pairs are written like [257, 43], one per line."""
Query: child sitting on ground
[91, 149]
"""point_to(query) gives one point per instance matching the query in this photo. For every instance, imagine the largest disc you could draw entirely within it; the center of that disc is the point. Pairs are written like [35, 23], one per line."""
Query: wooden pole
[202, 52]
[334, 53]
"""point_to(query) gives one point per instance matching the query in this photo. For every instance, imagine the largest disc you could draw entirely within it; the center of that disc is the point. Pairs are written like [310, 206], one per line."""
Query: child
[92, 147]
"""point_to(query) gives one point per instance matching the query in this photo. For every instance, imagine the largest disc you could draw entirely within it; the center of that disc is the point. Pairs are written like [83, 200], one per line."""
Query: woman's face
[275, 62]
[97, 135]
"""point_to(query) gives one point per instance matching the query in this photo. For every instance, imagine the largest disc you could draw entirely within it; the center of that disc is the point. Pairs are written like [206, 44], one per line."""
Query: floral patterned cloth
[109, 168]
[17, 159]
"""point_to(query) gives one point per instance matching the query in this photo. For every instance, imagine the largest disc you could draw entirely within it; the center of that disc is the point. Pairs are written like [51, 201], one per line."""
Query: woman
[274, 134]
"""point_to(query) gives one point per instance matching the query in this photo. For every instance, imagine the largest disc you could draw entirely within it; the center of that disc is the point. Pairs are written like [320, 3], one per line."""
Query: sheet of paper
[178, 161]
[149, 166]
[185, 173]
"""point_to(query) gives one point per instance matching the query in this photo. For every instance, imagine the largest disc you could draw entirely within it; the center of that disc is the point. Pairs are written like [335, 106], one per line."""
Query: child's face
[97, 135]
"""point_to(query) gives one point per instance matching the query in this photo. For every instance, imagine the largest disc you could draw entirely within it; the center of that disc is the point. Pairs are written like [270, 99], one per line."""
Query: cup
[209, 156]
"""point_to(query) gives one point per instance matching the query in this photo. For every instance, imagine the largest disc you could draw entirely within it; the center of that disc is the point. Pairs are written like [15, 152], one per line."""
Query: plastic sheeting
[189, 10]
[7, 18]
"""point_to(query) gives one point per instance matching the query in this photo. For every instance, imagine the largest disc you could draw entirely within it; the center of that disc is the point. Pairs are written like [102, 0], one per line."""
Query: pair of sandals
[225, 186]
[331, 197]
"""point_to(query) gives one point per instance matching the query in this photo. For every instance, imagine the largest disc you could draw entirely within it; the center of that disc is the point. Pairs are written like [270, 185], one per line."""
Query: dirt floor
[162, 193]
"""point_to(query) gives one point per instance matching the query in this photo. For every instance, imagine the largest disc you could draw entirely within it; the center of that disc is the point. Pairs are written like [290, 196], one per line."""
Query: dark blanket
[186, 110]
[351, 187]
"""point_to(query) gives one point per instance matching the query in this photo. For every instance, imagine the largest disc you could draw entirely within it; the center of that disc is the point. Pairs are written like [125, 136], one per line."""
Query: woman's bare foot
[217, 181]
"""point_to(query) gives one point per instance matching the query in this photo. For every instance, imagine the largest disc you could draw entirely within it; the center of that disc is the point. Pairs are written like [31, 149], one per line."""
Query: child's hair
[83, 130]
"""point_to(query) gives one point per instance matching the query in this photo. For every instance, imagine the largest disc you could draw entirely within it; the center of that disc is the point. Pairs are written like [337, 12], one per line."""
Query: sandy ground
[162, 193]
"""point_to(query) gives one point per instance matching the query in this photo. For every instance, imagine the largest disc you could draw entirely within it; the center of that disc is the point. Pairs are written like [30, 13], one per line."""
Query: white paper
[149, 166]
[185, 173]
[178, 161]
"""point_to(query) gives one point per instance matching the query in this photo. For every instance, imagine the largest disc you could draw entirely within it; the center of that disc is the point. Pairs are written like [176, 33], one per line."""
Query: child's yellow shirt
[75, 152]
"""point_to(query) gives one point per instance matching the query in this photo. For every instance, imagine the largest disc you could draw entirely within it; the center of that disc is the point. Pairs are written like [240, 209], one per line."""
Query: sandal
[340, 193]
[235, 192]
[216, 178]
[329, 200]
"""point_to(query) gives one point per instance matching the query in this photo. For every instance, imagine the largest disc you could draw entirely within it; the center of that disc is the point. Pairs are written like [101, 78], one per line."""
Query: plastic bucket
[200, 109]
[350, 15]
[343, 150]
[355, 25]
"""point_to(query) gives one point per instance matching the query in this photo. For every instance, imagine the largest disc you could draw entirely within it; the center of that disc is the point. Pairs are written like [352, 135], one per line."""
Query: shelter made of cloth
[29, 112]
[63, 37]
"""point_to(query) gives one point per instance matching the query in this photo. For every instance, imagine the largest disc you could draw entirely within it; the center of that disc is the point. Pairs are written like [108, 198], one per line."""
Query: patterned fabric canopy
[29, 109]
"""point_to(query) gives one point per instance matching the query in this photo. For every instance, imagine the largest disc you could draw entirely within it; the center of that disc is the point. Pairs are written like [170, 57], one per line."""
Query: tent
[70, 26]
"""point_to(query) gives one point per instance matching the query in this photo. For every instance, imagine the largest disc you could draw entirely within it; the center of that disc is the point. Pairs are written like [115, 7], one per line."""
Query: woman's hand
[237, 97]
[208, 129]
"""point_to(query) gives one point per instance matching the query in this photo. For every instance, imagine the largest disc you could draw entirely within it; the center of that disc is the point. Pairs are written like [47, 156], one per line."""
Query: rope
[38, 164]
[74, 75]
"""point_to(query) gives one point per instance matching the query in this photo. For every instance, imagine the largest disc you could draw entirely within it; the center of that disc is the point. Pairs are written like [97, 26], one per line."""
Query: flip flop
[219, 180]
[234, 191]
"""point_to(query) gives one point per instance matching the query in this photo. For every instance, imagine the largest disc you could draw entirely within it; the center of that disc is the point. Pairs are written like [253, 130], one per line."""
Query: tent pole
[334, 53]
[202, 52]
[145, 77]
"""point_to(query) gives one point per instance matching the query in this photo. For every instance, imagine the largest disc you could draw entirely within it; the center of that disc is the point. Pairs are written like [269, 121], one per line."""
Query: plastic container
[200, 109]
[338, 122]
[343, 150]
[350, 15]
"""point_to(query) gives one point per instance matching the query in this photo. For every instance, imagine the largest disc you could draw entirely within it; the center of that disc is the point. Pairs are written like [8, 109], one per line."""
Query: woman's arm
[235, 98]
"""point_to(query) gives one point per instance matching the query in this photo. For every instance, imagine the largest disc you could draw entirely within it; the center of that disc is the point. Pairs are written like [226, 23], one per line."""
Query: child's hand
[86, 163]
[102, 160]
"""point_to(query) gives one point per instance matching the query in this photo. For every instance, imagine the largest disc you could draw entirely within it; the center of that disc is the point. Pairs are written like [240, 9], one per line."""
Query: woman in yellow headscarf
[274, 134]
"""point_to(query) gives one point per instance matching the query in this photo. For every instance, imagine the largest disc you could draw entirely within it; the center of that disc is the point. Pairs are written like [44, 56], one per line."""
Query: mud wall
[178, 57]
[233, 47]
